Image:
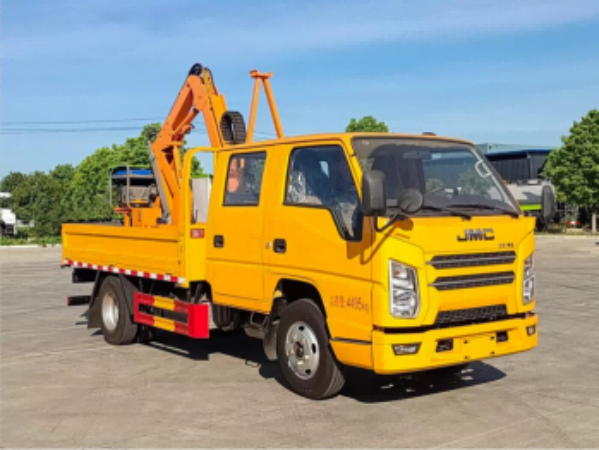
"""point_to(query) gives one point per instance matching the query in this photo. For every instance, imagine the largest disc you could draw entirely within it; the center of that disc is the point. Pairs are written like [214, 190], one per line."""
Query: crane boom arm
[198, 95]
[224, 128]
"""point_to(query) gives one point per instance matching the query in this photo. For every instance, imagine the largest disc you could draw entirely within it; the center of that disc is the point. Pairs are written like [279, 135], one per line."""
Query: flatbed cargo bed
[113, 246]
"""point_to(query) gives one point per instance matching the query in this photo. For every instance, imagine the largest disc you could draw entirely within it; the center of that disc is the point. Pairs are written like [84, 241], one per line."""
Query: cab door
[315, 234]
[236, 229]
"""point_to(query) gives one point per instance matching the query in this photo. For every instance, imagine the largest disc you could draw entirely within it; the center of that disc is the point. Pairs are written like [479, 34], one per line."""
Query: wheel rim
[302, 351]
[110, 311]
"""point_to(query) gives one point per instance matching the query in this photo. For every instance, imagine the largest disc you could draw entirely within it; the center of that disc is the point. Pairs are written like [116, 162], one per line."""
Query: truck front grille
[473, 281]
[472, 315]
[472, 260]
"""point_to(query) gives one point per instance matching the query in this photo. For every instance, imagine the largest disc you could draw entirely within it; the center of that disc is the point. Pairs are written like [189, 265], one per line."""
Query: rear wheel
[305, 357]
[117, 324]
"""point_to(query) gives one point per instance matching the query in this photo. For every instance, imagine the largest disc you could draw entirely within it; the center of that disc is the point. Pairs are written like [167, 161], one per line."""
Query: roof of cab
[343, 136]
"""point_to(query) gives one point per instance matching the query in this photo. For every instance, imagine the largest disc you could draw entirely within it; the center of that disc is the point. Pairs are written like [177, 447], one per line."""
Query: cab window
[244, 179]
[320, 177]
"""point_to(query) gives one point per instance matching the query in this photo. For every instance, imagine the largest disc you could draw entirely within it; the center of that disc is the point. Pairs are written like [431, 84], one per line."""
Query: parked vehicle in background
[8, 219]
[523, 173]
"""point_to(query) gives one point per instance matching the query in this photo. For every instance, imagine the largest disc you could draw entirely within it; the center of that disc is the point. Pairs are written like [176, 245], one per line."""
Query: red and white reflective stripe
[134, 273]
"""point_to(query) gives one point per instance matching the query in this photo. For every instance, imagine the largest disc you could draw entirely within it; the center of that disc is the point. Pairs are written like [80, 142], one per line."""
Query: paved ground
[63, 386]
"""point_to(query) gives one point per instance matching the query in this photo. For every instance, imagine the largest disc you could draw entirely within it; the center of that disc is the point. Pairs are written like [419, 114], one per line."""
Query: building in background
[517, 163]
[521, 167]
[491, 147]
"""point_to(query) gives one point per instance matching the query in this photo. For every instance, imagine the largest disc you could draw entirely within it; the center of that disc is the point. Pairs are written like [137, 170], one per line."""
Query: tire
[304, 354]
[232, 127]
[117, 324]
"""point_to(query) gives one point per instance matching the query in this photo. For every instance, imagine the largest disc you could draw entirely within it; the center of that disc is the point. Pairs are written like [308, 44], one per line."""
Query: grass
[41, 241]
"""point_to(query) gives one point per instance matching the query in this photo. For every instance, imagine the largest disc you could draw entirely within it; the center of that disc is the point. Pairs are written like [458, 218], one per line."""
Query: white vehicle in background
[8, 219]
[522, 171]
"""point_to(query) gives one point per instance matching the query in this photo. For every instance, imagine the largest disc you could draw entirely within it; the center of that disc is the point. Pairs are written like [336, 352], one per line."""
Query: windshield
[448, 174]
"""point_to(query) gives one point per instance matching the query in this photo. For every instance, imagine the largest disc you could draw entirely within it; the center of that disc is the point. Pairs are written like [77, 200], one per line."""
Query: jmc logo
[477, 234]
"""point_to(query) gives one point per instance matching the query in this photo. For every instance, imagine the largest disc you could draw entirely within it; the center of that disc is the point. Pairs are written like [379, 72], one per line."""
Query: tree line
[573, 168]
[82, 193]
[72, 194]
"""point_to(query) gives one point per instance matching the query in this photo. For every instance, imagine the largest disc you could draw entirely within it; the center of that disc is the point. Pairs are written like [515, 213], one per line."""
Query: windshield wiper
[450, 211]
[509, 212]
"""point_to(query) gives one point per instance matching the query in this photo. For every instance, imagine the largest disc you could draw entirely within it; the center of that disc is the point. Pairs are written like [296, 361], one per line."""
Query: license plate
[476, 347]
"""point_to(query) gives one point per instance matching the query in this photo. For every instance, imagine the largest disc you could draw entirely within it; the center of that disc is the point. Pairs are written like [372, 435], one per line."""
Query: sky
[502, 71]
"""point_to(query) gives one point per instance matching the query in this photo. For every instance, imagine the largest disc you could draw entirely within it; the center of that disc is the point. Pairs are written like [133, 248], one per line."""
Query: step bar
[198, 315]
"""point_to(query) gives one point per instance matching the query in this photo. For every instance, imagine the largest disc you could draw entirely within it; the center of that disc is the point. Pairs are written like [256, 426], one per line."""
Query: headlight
[403, 291]
[528, 280]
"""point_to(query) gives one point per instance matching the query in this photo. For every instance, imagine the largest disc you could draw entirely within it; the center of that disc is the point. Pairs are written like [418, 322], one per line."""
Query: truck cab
[433, 269]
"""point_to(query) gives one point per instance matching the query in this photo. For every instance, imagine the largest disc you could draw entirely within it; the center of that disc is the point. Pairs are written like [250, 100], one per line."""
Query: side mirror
[547, 203]
[410, 201]
[374, 198]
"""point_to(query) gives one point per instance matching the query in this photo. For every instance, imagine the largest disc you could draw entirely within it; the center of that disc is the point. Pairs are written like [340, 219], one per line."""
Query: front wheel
[305, 357]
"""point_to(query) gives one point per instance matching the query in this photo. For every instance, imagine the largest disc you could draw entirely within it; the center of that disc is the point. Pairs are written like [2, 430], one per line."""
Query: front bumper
[470, 343]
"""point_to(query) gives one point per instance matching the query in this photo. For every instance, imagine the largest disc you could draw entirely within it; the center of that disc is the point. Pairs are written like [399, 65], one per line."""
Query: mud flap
[93, 312]
[270, 341]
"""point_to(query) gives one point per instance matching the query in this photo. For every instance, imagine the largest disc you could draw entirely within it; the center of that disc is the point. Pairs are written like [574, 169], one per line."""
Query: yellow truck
[390, 252]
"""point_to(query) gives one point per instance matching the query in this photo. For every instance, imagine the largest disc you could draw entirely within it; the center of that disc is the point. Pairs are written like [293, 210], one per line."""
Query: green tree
[135, 150]
[82, 193]
[8, 184]
[23, 197]
[11, 181]
[63, 173]
[366, 124]
[38, 199]
[197, 171]
[87, 196]
[574, 167]
[48, 211]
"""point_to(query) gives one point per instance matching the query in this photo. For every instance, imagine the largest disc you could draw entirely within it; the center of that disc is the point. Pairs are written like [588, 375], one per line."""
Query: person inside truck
[235, 177]
[243, 180]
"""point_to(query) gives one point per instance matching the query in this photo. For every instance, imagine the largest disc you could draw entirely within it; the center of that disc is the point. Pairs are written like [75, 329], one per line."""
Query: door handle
[280, 246]
[219, 241]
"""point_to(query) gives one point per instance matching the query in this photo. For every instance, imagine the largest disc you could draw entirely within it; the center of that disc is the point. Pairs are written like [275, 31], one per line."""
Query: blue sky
[509, 71]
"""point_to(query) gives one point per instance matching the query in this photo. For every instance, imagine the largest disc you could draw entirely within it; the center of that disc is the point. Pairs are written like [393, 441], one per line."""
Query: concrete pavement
[63, 386]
